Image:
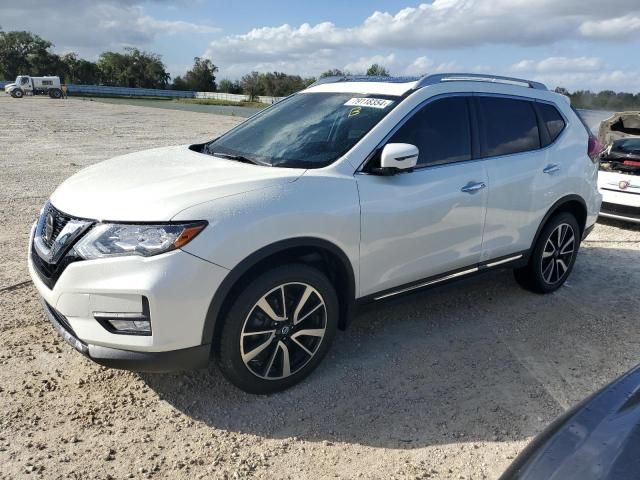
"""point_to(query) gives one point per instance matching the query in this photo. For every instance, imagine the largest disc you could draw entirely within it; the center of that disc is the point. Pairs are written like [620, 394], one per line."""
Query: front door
[428, 221]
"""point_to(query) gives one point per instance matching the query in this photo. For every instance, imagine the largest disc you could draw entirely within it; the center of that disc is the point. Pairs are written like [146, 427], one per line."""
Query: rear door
[428, 221]
[525, 179]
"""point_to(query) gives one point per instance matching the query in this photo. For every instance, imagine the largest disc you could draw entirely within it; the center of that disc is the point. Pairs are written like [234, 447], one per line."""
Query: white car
[256, 247]
[619, 178]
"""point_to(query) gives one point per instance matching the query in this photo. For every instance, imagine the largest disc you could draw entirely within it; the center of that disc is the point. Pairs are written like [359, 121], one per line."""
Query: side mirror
[398, 156]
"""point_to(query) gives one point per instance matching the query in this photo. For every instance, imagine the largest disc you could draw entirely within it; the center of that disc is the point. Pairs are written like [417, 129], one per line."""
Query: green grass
[215, 101]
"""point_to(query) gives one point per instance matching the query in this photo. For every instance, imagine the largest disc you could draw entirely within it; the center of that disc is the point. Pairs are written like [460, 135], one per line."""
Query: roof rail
[477, 77]
[364, 78]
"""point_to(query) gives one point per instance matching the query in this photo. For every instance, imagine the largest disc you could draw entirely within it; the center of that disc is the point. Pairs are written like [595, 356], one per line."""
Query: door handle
[551, 168]
[473, 187]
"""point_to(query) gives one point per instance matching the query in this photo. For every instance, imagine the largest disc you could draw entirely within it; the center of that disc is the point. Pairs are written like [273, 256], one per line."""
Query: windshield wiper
[239, 158]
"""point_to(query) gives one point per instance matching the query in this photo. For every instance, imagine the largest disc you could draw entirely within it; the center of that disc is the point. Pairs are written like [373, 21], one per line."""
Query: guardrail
[128, 92]
[233, 97]
[158, 92]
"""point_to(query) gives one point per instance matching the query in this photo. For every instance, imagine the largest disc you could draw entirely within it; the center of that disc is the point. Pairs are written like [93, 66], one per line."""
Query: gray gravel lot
[451, 383]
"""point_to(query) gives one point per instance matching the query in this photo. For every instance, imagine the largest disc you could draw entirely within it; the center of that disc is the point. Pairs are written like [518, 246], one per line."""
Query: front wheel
[553, 255]
[17, 93]
[278, 329]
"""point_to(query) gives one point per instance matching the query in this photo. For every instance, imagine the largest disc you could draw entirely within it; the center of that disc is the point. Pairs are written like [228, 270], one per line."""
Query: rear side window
[510, 126]
[552, 119]
[441, 131]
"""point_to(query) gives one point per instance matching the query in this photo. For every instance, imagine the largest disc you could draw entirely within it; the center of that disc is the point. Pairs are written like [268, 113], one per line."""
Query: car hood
[155, 185]
[620, 125]
[8, 86]
[597, 440]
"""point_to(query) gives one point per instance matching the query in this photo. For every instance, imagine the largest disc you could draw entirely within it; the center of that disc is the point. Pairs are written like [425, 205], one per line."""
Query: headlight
[116, 240]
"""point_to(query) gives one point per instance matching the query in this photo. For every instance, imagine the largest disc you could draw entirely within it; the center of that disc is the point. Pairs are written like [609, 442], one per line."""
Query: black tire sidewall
[536, 264]
[227, 345]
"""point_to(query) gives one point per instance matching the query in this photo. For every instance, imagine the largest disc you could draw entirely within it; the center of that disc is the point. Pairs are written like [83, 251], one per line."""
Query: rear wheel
[55, 93]
[278, 329]
[553, 256]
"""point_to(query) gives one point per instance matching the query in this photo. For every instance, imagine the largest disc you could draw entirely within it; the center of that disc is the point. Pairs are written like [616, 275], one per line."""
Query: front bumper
[178, 287]
[183, 359]
[620, 203]
[620, 212]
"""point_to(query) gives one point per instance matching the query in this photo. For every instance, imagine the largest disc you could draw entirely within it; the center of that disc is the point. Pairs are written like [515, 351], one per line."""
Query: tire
[549, 265]
[55, 93]
[283, 355]
[17, 93]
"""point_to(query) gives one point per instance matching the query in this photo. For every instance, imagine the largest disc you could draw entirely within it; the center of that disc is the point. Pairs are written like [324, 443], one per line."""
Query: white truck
[26, 85]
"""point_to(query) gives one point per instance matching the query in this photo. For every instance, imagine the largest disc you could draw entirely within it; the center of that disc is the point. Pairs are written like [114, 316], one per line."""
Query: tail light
[594, 149]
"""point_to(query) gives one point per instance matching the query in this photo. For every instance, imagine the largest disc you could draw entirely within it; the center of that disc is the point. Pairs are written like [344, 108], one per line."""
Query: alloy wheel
[283, 331]
[558, 253]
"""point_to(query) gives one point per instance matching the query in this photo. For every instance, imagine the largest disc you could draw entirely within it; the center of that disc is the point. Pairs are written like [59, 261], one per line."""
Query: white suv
[255, 247]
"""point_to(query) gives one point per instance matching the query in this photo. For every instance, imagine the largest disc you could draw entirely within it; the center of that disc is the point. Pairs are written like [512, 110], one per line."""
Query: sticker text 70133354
[369, 102]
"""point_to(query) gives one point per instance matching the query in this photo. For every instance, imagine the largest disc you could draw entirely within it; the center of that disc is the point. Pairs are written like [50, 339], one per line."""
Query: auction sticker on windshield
[369, 102]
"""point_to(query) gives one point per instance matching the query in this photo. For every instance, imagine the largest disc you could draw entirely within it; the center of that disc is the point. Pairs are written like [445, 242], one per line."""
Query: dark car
[624, 155]
[597, 439]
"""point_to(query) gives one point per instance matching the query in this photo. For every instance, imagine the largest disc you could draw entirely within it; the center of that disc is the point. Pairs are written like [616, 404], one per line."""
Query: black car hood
[598, 439]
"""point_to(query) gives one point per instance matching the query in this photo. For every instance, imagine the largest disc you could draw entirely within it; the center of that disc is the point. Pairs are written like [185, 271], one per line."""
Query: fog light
[131, 326]
[124, 323]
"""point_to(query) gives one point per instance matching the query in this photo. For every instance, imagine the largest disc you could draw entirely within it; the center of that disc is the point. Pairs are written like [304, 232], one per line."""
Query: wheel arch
[573, 204]
[320, 253]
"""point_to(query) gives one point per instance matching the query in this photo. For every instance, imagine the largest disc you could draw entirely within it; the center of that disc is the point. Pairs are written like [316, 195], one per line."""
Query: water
[190, 107]
[593, 118]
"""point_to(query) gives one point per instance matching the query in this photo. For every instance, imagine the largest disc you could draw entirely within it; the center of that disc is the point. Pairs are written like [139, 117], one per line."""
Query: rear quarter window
[552, 120]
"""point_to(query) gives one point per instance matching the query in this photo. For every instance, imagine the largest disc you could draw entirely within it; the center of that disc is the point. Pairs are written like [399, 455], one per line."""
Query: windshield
[306, 130]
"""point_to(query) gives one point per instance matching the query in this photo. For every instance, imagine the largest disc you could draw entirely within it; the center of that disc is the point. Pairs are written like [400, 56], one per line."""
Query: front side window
[509, 125]
[24, 80]
[441, 131]
[307, 130]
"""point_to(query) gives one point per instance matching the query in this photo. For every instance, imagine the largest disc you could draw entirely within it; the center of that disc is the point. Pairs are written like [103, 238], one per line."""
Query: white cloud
[558, 64]
[443, 24]
[619, 28]
[393, 38]
[91, 27]
[579, 73]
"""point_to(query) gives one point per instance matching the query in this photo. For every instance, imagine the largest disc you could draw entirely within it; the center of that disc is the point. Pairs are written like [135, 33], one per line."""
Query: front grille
[50, 272]
[622, 210]
[59, 221]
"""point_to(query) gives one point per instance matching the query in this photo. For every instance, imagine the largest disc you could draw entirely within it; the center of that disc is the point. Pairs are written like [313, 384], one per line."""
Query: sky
[577, 44]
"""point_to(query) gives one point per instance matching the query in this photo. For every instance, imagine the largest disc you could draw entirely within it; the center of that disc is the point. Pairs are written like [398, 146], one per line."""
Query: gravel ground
[451, 383]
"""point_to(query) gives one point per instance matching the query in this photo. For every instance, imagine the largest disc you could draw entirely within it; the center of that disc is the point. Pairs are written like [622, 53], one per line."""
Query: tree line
[26, 53]
[23, 52]
[605, 100]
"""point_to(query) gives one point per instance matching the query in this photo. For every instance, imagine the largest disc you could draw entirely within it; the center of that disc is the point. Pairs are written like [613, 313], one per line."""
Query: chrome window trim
[425, 102]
